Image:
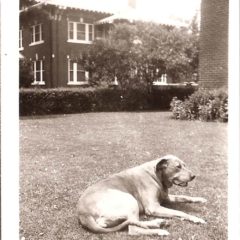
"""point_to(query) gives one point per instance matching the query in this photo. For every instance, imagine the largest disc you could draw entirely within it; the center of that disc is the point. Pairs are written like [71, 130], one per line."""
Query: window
[162, 80]
[76, 73]
[20, 39]
[80, 32]
[36, 34]
[38, 72]
[90, 32]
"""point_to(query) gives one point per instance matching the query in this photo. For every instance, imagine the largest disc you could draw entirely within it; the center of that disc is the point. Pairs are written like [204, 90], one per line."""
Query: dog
[118, 201]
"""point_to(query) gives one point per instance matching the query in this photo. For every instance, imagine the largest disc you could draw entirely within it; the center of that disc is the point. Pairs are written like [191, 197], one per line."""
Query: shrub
[203, 105]
[54, 101]
[77, 100]
[162, 95]
[25, 73]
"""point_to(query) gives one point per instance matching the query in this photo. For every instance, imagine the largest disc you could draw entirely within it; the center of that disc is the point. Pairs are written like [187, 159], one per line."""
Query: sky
[154, 10]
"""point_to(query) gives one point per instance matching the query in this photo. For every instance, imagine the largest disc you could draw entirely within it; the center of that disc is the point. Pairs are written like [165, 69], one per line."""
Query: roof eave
[38, 5]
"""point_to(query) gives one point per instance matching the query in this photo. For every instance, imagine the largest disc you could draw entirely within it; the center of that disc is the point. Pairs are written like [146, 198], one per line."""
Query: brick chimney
[132, 3]
[213, 58]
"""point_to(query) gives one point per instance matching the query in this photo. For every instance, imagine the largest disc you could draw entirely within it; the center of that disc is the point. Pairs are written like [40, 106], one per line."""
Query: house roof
[107, 6]
[118, 10]
[132, 14]
[128, 14]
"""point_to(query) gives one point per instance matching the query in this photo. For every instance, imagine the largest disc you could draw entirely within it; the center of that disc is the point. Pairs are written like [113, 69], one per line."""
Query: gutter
[32, 6]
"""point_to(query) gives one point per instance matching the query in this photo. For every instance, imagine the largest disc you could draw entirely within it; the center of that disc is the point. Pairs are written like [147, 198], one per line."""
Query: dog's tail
[90, 223]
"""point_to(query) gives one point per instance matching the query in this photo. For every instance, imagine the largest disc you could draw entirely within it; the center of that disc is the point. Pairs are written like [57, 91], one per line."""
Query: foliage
[25, 73]
[26, 3]
[78, 100]
[204, 105]
[139, 53]
[162, 95]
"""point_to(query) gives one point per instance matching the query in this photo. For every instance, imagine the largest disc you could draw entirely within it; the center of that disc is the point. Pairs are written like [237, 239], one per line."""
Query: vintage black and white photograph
[123, 119]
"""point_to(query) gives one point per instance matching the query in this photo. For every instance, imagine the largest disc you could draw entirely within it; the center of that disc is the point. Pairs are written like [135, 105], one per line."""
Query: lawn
[62, 155]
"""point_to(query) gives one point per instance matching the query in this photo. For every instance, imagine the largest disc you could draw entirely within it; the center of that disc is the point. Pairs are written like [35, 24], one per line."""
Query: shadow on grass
[52, 116]
[184, 207]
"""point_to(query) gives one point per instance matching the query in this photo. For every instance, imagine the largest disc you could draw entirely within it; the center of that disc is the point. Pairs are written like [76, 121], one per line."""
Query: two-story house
[53, 37]
[54, 33]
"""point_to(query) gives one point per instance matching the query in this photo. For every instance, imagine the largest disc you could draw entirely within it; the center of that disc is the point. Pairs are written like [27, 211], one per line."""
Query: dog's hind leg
[156, 223]
[135, 230]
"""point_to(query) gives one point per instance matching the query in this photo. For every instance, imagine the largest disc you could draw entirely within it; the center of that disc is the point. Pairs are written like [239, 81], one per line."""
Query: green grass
[62, 155]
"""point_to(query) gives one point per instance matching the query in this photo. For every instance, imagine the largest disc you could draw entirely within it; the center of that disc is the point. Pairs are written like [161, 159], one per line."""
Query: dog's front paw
[199, 200]
[162, 232]
[160, 223]
[196, 220]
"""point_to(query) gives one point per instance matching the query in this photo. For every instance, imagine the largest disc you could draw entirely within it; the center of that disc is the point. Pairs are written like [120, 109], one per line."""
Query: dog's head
[171, 170]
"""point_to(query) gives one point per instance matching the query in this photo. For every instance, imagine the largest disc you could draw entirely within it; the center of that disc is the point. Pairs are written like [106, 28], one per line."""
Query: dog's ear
[162, 164]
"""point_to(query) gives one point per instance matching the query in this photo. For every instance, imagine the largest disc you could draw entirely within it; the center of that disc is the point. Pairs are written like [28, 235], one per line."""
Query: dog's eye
[179, 166]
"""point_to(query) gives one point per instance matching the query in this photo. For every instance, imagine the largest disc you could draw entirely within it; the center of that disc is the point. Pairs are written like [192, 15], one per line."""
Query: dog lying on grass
[118, 201]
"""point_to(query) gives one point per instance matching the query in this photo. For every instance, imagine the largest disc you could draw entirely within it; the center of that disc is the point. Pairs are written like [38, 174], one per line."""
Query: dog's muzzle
[182, 184]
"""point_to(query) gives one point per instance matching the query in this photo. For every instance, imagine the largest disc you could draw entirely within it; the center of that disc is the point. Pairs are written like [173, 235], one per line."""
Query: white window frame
[21, 40]
[35, 71]
[162, 80]
[74, 39]
[75, 80]
[33, 35]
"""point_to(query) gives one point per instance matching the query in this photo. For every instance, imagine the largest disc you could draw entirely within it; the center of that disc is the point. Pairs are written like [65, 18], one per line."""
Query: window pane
[38, 77]
[37, 37]
[71, 76]
[90, 32]
[43, 65]
[90, 27]
[43, 76]
[80, 76]
[37, 29]
[79, 67]
[80, 27]
[70, 26]
[70, 34]
[32, 35]
[71, 65]
[81, 31]
[38, 66]
[90, 37]
[80, 36]
[70, 30]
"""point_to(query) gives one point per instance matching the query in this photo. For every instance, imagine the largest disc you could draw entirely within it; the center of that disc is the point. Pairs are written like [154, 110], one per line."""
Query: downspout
[51, 49]
[54, 53]
[57, 50]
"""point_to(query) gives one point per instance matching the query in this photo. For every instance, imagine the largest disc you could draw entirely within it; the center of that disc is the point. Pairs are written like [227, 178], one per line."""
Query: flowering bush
[203, 105]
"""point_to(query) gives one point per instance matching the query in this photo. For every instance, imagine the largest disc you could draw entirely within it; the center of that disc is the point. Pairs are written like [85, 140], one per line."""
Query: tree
[25, 73]
[139, 53]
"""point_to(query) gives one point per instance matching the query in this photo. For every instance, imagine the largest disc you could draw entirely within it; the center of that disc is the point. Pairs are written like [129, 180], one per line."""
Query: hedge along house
[213, 62]
[53, 37]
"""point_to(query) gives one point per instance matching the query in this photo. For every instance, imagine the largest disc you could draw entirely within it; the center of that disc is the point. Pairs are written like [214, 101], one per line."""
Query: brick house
[52, 37]
[213, 62]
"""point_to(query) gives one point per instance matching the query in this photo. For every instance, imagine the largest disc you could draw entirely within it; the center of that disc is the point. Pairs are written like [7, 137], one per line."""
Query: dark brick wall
[213, 68]
[65, 48]
[40, 51]
[56, 48]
